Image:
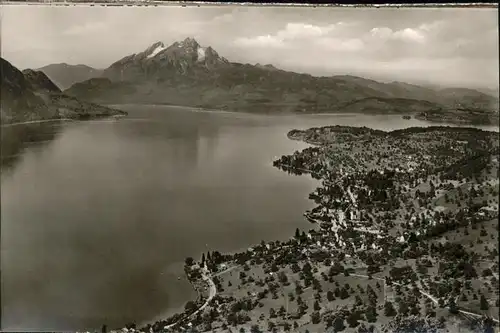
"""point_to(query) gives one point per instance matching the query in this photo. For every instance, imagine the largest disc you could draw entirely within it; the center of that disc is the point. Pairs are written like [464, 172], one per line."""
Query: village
[404, 238]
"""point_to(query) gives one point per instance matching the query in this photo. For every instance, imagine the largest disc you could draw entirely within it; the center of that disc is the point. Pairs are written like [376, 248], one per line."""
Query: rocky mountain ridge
[30, 96]
[65, 75]
[185, 73]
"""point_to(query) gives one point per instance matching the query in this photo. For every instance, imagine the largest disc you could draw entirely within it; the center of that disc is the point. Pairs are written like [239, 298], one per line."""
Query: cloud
[318, 40]
[406, 35]
[260, 41]
[338, 44]
[432, 27]
[300, 30]
[292, 33]
[89, 27]
[225, 18]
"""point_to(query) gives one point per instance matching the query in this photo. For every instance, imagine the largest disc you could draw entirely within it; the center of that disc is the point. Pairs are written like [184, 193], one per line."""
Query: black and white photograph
[237, 168]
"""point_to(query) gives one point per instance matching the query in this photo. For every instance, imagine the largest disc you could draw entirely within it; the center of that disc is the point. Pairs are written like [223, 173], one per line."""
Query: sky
[444, 46]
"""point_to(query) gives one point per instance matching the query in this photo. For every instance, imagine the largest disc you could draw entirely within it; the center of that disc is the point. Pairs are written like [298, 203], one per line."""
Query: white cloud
[89, 27]
[260, 41]
[338, 44]
[292, 32]
[407, 35]
[300, 30]
[384, 33]
[430, 27]
[226, 18]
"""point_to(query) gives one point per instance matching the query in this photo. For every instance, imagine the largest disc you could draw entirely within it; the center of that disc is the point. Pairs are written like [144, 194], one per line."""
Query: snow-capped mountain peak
[182, 57]
[201, 53]
[158, 48]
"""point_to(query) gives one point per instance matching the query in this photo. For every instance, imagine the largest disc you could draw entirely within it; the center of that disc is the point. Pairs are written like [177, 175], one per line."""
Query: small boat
[178, 278]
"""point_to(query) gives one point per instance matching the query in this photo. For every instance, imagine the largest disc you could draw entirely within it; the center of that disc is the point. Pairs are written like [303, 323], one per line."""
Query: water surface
[97, 217]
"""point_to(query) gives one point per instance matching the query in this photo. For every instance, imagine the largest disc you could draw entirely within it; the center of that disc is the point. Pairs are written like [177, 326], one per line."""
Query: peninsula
[404, 238]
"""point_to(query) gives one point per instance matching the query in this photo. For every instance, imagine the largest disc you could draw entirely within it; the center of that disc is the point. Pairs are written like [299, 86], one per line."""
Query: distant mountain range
[30, 95]
[185, 73]
[64, 75]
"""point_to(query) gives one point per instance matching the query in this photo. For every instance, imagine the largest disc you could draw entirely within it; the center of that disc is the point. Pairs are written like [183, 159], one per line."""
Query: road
[432, 298]
[211, 294]
[225, 271]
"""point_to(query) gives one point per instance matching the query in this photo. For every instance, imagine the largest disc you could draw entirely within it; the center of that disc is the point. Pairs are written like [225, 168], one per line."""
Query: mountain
[31, 95]
[64, 75]
[185, 73]
[40, 82]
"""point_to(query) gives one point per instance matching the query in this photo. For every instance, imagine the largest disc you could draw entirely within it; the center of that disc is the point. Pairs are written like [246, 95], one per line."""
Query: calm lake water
[98, 217]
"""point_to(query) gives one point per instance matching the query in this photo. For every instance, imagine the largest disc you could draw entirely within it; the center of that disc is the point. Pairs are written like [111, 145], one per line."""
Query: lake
[98, 217]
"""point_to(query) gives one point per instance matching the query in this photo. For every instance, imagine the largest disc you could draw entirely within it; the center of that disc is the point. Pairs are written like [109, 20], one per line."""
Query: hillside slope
[64, 75]
[185, 73]
[31, 95]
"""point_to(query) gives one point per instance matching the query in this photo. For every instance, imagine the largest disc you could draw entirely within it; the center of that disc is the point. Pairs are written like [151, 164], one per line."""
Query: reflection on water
[14, 139]
[96, 223]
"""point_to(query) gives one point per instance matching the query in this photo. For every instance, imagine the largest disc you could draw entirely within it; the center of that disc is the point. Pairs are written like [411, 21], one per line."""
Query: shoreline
[37, 122]
[113, 116]
[414, 116]
[208, 276]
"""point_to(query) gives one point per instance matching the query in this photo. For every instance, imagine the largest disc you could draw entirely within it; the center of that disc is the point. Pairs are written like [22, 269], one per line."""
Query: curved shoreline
[206, 276]
[37, 122]
[114, 116]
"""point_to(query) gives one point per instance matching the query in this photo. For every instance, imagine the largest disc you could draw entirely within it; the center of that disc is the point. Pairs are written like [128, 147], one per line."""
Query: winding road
[206, 276]
[432, 298]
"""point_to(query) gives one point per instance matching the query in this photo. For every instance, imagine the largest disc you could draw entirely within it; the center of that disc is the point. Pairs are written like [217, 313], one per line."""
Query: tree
[190, 306]
[307, 268]
[403, 308]
[298, 288]
[415, 310]
[329, 296]
[441, 303]
[282, 311]
[283, 278]
[484, 303]
[453, 306]
[371, 314]
[315, 318]
[189, 261]
[389, 310]
[352, 319]
[272, 313]
[242, 330]
[487, 272]
[297, 233]
[338, 324]
[255, 329]
[316, 306]
[344, 293]
[203, 259]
